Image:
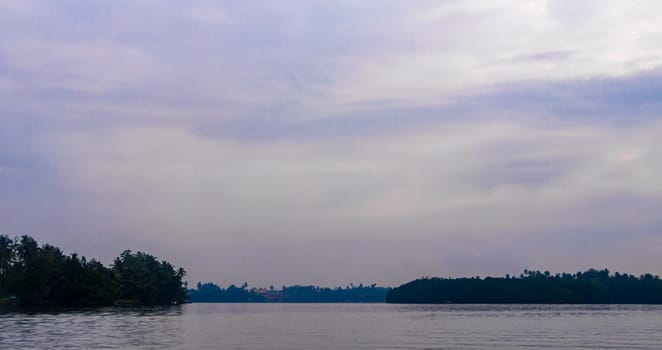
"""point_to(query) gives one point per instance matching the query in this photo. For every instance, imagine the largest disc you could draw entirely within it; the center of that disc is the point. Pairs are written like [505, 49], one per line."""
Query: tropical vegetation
[34, 275]
[534, 287]
[212, 293]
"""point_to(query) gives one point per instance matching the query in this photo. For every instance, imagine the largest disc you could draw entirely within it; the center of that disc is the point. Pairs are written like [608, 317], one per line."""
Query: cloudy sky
[331, 142]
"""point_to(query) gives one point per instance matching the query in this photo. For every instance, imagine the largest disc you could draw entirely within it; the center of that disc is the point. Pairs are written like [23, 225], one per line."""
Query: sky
[336, 142]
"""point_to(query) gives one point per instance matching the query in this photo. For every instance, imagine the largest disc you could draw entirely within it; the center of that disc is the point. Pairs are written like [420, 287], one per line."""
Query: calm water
[339, 326]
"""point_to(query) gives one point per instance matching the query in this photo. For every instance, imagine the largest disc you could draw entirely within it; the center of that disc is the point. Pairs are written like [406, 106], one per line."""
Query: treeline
[212, 293]
[533, 287]
[33, 275]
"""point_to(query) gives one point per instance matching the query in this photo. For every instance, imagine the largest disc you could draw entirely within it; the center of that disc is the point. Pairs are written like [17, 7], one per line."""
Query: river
[338, 326]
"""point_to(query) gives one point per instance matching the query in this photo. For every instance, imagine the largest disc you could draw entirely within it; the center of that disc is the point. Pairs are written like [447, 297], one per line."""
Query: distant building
[270, 295]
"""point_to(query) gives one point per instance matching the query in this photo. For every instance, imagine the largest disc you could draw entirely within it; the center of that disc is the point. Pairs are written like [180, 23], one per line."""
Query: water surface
[338, 326]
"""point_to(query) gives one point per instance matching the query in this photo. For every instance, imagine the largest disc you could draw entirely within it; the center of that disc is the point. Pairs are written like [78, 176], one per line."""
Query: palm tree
[6, 258]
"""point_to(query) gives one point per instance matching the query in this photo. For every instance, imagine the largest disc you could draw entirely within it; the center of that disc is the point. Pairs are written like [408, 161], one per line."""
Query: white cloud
[209, 13]
[18, 6]
[92, 67]
[420, 186]
[128, 111]
[314, 60]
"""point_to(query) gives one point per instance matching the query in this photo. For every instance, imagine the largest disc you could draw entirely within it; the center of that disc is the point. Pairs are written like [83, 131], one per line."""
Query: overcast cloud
[332, 142]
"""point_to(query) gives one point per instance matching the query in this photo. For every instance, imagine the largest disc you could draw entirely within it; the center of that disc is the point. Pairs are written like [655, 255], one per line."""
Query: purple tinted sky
[332, 142]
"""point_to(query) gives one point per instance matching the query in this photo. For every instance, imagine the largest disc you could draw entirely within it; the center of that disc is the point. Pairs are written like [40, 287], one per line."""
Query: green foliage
[34, 275]
[212, 293]
[533, 287]
[146, 280]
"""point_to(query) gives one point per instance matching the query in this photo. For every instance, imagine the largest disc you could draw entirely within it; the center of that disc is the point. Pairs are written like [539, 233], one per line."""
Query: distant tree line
[33, 275]
[590, 287]
[212, 293]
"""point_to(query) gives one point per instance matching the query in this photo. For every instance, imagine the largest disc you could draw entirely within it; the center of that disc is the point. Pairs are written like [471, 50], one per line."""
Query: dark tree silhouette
[210, 293]
[42, 275]
[145, 280]
[589, 287]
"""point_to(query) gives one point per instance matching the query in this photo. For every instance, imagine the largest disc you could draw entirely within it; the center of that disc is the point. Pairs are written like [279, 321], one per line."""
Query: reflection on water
[92, 328]
[337, 326]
